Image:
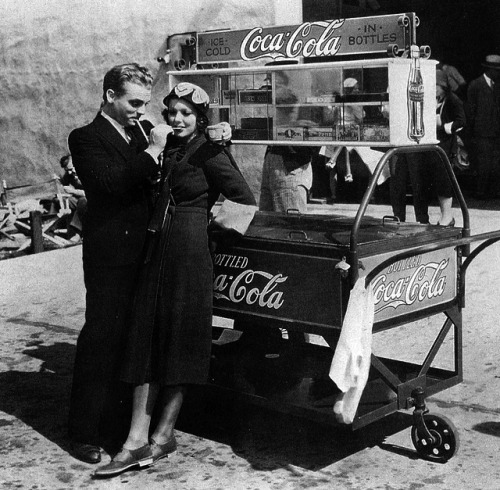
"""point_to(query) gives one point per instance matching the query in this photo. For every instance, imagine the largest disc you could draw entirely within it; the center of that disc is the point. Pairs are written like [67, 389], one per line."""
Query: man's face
[440, 93]
[494, 75]
[129, 107]
[352, 90]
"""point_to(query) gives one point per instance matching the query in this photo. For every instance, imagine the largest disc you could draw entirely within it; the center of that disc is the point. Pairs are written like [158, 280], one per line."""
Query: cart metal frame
[434, 436]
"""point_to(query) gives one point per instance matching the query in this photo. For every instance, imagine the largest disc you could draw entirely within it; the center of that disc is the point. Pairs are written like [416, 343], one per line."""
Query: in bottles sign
[307, 40]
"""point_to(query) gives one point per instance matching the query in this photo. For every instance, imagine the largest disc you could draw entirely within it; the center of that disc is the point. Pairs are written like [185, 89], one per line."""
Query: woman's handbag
[160, 216]
[460, 157]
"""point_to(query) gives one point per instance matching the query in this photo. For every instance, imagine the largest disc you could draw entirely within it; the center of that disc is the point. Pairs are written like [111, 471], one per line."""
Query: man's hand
[219, 133]
[158, 135]
[158, 139]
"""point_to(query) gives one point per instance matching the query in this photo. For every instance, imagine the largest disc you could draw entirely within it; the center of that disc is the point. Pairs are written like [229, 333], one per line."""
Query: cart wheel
[446, 435]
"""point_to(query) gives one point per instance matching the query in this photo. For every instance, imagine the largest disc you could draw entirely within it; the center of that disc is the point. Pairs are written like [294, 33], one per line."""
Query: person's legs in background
[266, 198]
[333, 181]
[441, 184]
[496, 169]
[398, 185]
[420, 184]
[486, 161]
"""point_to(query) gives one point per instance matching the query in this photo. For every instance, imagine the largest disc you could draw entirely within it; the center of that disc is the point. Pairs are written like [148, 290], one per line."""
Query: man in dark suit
[483, 121]
[117, 165]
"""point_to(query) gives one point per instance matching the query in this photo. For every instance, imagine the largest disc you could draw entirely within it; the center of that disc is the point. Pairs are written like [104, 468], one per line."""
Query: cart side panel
[289, 287]
[420, 282]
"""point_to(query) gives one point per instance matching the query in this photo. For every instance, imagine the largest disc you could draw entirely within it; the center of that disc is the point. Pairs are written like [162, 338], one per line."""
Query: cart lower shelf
[290, 376]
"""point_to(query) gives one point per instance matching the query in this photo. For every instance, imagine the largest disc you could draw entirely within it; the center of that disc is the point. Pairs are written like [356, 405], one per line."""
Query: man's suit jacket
[115, 176]
[482, 109]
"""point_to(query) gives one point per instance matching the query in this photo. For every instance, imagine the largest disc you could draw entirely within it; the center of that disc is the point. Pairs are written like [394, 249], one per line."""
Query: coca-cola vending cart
[287, 283]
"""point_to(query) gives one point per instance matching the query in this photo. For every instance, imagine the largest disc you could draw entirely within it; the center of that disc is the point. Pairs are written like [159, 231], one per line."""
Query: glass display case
[367, 102]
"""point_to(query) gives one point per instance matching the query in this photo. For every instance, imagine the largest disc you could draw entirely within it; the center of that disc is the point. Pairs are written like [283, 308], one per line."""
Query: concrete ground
[42, 311]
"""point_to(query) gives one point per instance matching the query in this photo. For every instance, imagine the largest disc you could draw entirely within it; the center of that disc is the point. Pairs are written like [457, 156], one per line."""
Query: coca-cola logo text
[292, 44]
[425, 282]
[227, 260]
[249, 286]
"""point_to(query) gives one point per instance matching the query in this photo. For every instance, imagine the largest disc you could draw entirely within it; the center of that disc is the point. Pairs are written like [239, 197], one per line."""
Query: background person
[287, 171]
[456, 82]
[353, 164]
[450, 120]
[483, 122]
[170, 337]
[77, 200]
[425, 171]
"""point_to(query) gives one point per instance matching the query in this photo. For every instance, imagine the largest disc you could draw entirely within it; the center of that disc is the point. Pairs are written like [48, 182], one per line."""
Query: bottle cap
[414, 51]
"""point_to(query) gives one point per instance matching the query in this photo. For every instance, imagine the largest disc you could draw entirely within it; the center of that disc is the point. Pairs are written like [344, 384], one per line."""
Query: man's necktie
[132, 137]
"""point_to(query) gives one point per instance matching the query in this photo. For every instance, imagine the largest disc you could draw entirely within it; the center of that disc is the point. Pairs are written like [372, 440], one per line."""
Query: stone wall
[54, 54]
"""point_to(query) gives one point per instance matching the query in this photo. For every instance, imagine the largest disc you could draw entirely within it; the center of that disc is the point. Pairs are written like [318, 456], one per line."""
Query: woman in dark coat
[427, 173]
[450, 119]
[170, 335]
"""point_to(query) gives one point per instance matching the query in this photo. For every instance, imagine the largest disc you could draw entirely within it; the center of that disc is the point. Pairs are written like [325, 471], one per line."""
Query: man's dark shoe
[87, 452]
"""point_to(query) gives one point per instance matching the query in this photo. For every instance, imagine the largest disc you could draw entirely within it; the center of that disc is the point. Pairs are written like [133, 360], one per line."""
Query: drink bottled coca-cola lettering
[416, 130]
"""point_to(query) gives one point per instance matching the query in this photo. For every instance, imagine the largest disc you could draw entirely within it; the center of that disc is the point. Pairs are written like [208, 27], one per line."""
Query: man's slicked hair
[116, 78]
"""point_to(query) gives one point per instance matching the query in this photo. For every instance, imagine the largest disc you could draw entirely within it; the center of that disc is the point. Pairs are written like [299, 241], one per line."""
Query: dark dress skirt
[170, 333]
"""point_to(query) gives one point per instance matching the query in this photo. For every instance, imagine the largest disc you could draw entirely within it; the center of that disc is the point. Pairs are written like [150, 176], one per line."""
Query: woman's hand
[219, 133]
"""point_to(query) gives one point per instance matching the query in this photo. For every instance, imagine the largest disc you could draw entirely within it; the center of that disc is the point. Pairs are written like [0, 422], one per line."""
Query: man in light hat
[483, 120]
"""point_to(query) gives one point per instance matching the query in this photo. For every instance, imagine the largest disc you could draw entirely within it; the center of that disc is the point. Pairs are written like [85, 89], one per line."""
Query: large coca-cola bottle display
[416, 130]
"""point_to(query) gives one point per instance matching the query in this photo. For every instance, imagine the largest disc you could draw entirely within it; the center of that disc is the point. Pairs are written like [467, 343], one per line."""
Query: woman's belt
[187, 209]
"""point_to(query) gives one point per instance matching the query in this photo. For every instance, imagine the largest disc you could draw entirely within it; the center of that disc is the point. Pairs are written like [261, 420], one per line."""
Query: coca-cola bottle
[416, 128]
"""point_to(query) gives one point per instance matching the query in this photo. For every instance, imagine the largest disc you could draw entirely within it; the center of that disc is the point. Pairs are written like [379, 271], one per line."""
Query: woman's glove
[220, 133]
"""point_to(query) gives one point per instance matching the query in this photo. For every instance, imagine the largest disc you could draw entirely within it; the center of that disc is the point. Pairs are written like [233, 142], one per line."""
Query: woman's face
[182, 117]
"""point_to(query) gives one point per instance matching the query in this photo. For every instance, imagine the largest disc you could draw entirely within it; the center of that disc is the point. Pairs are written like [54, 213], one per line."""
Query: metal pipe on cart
[353, 241]
[353, 245]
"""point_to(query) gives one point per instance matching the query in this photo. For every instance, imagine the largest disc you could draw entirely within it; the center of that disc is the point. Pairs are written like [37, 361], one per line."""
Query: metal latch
[343, 267]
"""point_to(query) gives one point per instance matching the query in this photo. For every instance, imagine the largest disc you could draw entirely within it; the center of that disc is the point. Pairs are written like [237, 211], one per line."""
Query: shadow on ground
[265, 438]
[40, 399]
[270, 439]
[489, 428]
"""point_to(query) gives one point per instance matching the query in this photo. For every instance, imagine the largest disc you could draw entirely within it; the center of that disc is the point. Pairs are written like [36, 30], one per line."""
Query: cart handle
[353, 245]
[390, 218]
[300, 233]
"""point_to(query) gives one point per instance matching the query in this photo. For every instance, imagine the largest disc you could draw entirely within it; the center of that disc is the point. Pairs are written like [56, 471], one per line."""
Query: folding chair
[19, 201]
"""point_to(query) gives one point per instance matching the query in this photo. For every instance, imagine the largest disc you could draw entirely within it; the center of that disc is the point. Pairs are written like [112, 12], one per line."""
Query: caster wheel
[446, 439]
